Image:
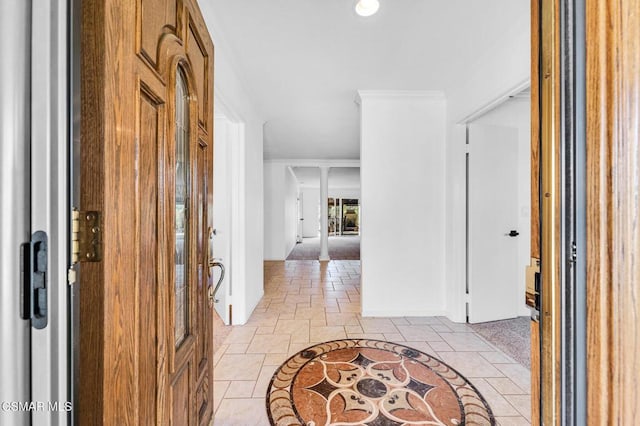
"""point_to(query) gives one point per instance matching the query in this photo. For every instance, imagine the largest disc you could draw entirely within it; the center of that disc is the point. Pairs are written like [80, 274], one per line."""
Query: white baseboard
[459, 317]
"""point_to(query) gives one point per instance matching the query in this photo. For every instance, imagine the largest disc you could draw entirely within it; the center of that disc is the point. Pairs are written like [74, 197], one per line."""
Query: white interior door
[221, 247]
[493, 215]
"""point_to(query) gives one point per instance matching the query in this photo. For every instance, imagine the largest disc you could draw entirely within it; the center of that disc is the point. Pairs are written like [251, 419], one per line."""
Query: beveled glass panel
[181, 208]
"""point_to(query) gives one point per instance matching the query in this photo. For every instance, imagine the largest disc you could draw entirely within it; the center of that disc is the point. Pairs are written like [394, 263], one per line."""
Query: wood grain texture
[128, 371]
[153, 19]
[535, 198]
[153, 331]
[181, 411]
[149, 138]
[550, 205]
[120, 322]
[535, 129]
[91, 334]
[108, 338]
[613, 211]
[535, 373]
[198, 59]
[204, 343]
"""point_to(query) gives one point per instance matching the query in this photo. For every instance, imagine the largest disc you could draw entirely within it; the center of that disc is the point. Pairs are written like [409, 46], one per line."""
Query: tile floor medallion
[371, 382]
[306, 303]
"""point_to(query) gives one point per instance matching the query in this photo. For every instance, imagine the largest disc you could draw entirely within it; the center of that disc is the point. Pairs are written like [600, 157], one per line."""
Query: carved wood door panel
[147, 108]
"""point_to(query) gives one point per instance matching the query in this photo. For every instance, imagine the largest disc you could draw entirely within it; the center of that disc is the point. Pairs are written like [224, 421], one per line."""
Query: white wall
[498, 72]
[234, 101]
[280, 217]
[274, 194]
[223, 192]
[402, 157]
[516, 113]
[310, 206]
[253, 219]
[290, 218]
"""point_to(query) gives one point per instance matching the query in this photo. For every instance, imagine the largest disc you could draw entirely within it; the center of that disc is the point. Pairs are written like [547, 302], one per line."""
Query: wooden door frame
[546, 196]
[612, 211]
[535, 207]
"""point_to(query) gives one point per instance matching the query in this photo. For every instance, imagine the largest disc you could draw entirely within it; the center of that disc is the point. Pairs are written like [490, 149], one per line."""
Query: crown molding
[223, 108]
[496, 101]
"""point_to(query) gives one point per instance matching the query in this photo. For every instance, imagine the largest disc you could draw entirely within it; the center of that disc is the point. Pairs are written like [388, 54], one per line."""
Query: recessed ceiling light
[367, 7]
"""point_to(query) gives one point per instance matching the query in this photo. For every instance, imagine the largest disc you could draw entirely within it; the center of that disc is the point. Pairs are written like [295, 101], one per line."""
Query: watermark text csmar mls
[36, 406]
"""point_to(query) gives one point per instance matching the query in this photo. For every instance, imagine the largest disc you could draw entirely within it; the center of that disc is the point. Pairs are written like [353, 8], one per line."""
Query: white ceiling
[339, 177]
[303, 60]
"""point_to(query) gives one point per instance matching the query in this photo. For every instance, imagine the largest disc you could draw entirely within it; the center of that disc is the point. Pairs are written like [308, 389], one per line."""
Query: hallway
[307, 302]
[346, 247]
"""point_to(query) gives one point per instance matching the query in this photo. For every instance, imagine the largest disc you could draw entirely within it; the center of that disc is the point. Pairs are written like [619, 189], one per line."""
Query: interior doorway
[343, 213]
[228, 201]
[497, 164]
[498, 194]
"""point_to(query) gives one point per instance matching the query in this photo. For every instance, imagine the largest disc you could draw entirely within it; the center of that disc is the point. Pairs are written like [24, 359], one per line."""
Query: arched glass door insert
[182, 227]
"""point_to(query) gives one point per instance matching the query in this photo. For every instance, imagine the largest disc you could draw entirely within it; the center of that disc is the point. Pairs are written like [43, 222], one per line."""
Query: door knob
[513, 233]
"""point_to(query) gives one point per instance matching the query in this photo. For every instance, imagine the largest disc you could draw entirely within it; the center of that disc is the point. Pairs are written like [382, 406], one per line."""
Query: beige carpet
[512, 336]
[346, 247]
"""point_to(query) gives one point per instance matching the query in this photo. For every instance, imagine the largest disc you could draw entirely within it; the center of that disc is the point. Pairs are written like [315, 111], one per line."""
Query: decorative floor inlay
[371, 382]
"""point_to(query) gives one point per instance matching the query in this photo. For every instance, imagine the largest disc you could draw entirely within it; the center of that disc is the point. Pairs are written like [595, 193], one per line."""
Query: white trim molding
[222, 106]
[492, 104]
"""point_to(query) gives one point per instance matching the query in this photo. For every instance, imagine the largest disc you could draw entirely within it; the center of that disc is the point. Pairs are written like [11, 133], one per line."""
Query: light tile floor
[307, 302]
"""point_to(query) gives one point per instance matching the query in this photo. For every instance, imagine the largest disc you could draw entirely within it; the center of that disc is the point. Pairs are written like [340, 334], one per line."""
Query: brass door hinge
[86, 236]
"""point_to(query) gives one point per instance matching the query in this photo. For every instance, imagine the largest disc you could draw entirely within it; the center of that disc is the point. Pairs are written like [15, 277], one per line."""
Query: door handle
[213, 263]
[513, 233]
[212, 291]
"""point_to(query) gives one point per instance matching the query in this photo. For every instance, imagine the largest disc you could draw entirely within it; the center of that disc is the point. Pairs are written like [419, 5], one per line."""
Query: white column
[324, 214]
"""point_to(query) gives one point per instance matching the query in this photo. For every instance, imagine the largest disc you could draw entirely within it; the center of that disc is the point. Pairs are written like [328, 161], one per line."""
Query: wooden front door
[146, 166]
[608, 253]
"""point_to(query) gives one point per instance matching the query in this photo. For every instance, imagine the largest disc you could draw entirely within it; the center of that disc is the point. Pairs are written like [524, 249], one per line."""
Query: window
[181, 207]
